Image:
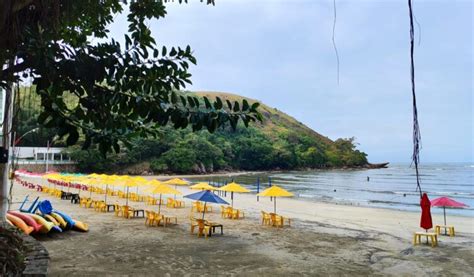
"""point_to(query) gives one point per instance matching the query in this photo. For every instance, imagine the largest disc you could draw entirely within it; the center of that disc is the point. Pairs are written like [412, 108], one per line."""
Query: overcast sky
[280, 52]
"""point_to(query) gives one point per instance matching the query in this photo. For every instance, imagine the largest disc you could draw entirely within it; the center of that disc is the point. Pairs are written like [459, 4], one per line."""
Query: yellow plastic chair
[117, 210]
[223, 211]
[266, 218]
[229, 212]
[158, 218]
[196, 206]
[170, 203]
[127, 212]
[89, 203]
[149, 218]
[150, 201]
[237, 214]
[168, 220]
[203, 228]
[102, 207]
[83, 202]
[179, 204]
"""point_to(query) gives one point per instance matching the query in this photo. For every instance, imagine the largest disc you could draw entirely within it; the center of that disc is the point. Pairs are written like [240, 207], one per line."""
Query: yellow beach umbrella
[203, 186]
[130, 183]
[152, 184]
[164, 189]
[233, 187]
[176, 182]
[90, 182]
[275, 191]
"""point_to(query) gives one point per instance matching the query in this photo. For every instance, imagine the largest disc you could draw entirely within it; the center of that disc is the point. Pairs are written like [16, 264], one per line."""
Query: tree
[120, 92]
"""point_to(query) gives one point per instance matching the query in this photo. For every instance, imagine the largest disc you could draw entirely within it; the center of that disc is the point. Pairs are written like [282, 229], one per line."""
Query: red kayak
[27, 219]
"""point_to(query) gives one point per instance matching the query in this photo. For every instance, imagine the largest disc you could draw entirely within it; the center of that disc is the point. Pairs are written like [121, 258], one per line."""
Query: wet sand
[324, 239]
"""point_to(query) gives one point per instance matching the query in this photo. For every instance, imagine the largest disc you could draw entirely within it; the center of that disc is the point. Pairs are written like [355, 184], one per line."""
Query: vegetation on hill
[279, 142]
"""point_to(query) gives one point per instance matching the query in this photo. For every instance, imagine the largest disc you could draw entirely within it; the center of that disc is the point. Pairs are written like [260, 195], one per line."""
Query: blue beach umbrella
[206, 196]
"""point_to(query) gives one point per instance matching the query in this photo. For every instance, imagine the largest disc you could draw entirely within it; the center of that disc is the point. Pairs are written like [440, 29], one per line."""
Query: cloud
[281, 52]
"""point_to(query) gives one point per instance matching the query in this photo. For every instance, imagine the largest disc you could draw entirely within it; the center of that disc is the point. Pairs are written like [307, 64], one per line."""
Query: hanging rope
[416, 127]
[334, 40]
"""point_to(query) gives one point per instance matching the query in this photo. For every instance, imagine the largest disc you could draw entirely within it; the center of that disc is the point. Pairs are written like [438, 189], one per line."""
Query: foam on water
[393, 187]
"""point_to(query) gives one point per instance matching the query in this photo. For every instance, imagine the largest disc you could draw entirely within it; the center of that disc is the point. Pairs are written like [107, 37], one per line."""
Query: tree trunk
[4, 168]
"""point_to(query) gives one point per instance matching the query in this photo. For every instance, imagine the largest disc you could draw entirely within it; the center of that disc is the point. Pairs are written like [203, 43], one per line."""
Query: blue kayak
[70, 222]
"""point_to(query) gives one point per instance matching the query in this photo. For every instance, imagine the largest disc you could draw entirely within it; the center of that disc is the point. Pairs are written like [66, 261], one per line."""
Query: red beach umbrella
[447, 202]
[426, 221]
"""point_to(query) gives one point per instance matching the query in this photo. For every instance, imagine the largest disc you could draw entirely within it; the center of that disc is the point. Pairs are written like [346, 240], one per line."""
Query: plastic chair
[204, 229]
[266, 219]
[223, 211]
[149, 218]
[157, 218]
[127, 212]
[117, 210]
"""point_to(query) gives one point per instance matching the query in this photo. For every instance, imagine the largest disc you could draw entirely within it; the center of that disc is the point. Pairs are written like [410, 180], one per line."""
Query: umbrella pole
[159, 206]
[127, 198]
[444, 212]
[204, 210]
[106, 188]
[90, 191]
[175, 187]
[232, 198]
[275, 205]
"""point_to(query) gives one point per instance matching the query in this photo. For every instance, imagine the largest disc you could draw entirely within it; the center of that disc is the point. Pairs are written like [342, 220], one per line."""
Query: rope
[416, 127]
[334, 40]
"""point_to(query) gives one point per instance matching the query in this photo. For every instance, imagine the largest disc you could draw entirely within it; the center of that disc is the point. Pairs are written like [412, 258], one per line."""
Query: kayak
[18, 222]
[50, 218]
[27, 219]
[70, 222]
[46, 225]
[60, 220]
[80, 226]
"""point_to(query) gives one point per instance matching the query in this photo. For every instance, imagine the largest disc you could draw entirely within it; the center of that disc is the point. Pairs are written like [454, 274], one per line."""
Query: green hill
[275, 120]
[279, 142]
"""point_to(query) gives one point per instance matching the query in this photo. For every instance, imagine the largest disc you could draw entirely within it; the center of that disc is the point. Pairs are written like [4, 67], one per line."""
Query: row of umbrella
[206, 196]
[158, 187]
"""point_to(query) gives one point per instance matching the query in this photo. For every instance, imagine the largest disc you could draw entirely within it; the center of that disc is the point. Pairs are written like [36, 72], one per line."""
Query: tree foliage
[184, 151]
[120, 92]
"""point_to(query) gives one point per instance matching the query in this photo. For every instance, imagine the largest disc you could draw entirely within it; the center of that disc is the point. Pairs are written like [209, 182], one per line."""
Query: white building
[41, 154]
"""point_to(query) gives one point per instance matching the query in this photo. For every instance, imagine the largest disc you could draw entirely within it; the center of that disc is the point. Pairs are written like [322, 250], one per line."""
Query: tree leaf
[218, 103]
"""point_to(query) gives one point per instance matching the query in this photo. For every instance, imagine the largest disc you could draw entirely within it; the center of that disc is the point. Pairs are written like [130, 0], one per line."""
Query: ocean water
[393, 187]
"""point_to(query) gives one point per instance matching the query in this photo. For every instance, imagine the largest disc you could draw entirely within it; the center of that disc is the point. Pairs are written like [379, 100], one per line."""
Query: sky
[280, 52]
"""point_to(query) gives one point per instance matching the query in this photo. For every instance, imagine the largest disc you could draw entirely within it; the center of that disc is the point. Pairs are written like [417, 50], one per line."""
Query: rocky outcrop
[375, 166]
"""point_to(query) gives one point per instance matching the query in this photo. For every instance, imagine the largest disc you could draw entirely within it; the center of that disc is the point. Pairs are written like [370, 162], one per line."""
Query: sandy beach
[324, 239]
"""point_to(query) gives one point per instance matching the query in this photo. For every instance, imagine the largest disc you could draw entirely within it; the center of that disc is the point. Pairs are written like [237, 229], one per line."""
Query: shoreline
[357, 240]
[249, 172]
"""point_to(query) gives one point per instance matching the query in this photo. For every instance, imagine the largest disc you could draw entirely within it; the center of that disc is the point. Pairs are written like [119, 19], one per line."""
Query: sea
[393, 187]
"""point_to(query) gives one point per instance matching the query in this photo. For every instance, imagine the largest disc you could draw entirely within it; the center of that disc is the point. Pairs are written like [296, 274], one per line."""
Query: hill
[275, 120]
[279, 142]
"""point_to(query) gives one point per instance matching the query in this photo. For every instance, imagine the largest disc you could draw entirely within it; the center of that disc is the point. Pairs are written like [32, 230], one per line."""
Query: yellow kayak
[59, 219]
[81, 226]
[46, 225]
[51, 219]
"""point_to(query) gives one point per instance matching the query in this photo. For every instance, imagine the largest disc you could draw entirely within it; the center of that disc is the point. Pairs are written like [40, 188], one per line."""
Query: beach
[324, 239]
